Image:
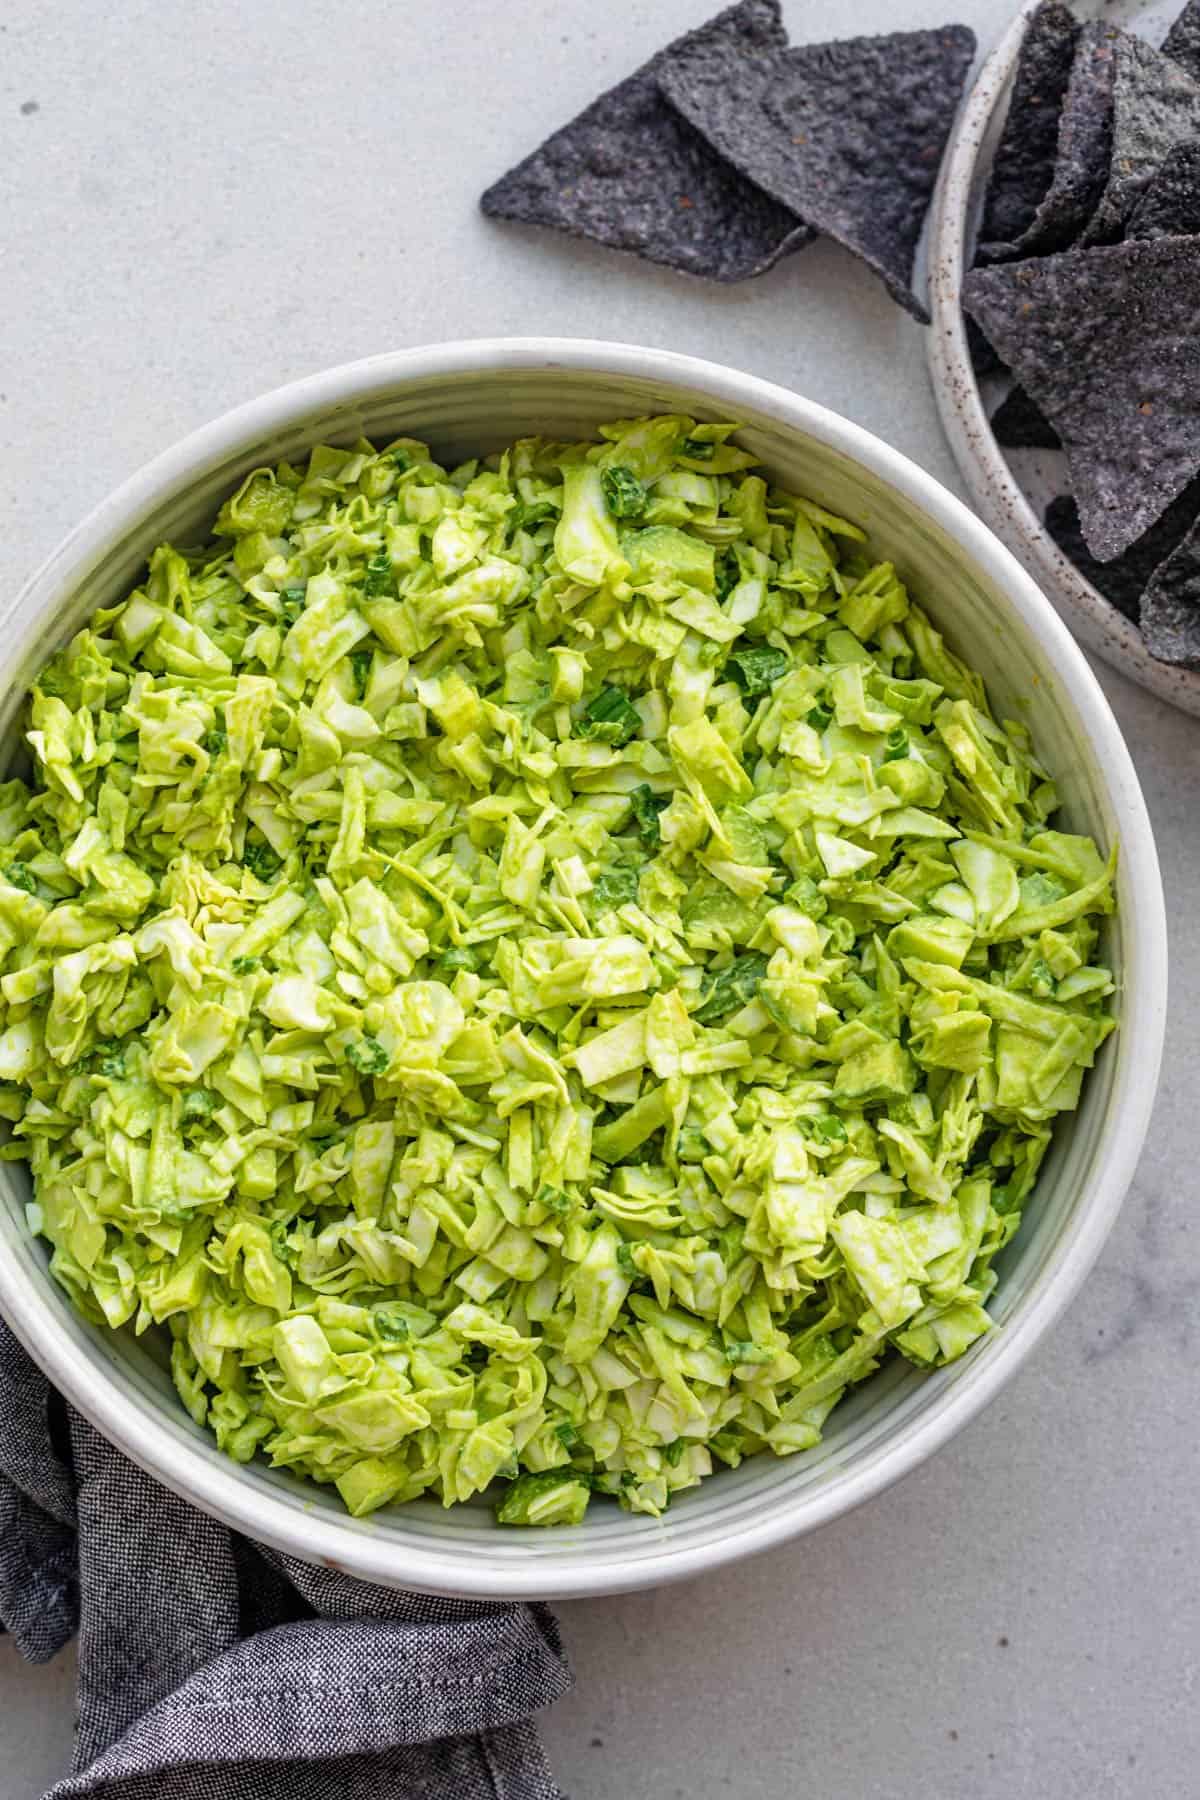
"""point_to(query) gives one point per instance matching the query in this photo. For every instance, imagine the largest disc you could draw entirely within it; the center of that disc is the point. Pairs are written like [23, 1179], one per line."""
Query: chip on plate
[1123, 581]
[1082, 153]
[1171, 605]
[1156, 107]
[1169, 204]
[1023, 166]
[1183, 40]
[630, 173]
[848, 136]
[1105, 343]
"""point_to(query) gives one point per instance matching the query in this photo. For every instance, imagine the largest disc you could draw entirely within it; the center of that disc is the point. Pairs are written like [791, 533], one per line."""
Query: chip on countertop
[848, 136]
[630, 173]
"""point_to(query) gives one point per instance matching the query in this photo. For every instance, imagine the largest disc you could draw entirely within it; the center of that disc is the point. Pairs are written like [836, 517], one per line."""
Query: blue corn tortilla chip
[1018, 424]
[848, 136]
[1082, 154]
[1105, 343]
[1183, 40]
[1169, 205]
[1023, 166]
[1124, 580]
[1171, 605]
[1156, 107]
[630, 173]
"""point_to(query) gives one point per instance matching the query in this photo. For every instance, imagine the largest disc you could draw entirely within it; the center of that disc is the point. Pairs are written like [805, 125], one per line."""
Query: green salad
[538, 976]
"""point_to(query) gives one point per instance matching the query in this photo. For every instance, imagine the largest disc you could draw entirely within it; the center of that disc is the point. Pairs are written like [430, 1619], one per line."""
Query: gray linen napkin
[232, 1673]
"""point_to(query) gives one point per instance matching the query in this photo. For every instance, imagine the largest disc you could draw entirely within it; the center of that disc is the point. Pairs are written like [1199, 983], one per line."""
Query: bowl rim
[993, 487]
[193, 1468]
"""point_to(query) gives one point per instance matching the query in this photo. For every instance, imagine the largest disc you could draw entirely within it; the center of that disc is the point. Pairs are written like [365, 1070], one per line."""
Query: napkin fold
[236, 1673]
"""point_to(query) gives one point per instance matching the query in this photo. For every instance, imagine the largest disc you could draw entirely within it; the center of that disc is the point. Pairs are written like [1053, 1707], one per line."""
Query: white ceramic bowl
[1011, 490]
[477, 396]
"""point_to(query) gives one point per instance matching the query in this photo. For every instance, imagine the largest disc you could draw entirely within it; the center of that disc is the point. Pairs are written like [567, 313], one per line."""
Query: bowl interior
[122, 1383]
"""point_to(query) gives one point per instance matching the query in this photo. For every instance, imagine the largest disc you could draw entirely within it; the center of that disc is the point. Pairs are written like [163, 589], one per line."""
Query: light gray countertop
[200, 202]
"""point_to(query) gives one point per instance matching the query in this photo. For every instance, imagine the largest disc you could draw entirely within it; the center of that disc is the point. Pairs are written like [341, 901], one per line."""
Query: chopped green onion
[609, 718]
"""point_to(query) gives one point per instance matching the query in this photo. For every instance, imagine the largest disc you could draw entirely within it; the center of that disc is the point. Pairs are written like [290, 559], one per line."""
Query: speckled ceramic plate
[1011, 488]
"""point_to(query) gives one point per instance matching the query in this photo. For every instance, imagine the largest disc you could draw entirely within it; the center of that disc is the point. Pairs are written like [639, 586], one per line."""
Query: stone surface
[202, 202]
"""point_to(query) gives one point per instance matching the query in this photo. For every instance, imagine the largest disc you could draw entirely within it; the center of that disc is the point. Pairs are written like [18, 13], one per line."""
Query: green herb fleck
[109, 1060]
[646, 806]
[380, 581]
[529, 513]
[1041, 978]
[724, 990]
[459, 956]
[390, 1325]
[828, 1129]
[262, 861]
[616, 887]
[368, 1056]
[757, 668]
[625, 496]
[360, 663]
[291, 605]
[555, 1200]
[727, 573]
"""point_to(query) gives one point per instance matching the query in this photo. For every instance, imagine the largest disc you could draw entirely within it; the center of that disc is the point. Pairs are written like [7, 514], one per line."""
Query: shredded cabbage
[542, 974]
